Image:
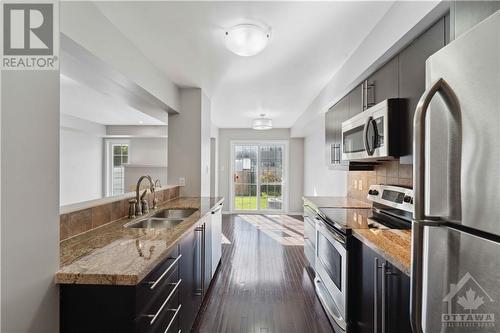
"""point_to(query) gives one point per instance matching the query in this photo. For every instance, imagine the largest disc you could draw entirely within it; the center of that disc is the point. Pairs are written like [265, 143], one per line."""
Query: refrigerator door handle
[419, 162]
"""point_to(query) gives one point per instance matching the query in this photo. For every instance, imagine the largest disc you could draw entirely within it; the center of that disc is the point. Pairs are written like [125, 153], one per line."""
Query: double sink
[163, 219]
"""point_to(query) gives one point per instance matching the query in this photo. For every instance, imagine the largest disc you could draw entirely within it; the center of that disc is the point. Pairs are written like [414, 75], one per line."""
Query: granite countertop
[336, 202]
[394, 245]
[115, 255]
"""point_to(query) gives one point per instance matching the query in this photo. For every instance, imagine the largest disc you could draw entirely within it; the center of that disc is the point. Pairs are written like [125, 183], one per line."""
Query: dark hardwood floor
[262, 285]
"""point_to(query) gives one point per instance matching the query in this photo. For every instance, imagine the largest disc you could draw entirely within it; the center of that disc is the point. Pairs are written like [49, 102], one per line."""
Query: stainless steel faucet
[139, 205]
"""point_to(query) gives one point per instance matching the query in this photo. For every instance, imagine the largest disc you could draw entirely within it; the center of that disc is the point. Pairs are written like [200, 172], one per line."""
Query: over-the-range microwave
[372, 134]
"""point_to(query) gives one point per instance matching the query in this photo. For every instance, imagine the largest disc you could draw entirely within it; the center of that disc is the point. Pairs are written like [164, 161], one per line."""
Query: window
[117, 155]
[120, 157]
[258, 181]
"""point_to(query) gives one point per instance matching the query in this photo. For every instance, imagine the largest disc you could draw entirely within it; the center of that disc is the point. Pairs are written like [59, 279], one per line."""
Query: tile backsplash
[389, 173]
[77, 222]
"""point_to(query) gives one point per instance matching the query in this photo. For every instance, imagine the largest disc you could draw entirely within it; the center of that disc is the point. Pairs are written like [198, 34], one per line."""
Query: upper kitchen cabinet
[383, 84]
[333, 132]
[466, 14]
[356, 101]
[412, 78]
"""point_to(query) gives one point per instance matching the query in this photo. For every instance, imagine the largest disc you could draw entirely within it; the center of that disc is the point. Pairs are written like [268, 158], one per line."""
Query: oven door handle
[329, 304]
[331, 233]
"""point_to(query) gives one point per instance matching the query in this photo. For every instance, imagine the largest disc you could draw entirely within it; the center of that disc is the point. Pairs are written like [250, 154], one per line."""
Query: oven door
[331, 270]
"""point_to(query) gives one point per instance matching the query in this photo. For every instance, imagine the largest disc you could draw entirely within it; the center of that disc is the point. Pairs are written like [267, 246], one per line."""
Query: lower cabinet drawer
[163, 312]
[171, 321]
[154, 286]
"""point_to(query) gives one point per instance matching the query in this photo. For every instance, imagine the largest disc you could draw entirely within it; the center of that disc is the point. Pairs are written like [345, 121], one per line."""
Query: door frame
[284, 186]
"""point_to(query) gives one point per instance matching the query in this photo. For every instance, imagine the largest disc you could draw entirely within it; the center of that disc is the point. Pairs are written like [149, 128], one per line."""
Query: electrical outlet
[182, 181]
[360, 185]
[355, 184]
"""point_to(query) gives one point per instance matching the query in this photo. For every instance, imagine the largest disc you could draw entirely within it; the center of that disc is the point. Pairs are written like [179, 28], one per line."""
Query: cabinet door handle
[384, 300]
[173, 317]
[217, 208]
[363, 96]
[200, 291]
[375, 295]
[155, 283]
[155, 316]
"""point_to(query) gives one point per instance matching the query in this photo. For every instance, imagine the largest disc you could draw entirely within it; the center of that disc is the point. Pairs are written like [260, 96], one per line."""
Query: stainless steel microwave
[372, 134]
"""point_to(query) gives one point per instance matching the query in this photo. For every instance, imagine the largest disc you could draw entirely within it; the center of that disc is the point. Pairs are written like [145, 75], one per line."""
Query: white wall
[296, 161]
[105, 41]
[137, 130]
[146, 151]
[185, 143]
[206, 128]
[318, 179]
[29, 201]
[81, 166]
[214, 164]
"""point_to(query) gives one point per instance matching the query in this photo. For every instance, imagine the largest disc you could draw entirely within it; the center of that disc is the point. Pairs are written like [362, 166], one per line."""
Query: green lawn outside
[249, 203]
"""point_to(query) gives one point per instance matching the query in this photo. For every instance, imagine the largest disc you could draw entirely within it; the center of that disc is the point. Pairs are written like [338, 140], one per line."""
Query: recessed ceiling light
[247, 39]
[262, 123]
[141, 122]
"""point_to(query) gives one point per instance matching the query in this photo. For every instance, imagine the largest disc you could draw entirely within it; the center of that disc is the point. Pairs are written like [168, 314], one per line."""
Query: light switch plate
[182, 181]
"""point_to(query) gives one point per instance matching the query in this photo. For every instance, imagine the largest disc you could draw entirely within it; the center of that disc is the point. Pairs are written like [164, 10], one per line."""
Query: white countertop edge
[97, 202]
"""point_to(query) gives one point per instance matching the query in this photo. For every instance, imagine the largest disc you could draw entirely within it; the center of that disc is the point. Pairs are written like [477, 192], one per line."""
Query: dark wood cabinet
[355, 101]
[412, 78]
[149, 307]
[383, 84]
[397, 300]
[333, 133]
[380, 295]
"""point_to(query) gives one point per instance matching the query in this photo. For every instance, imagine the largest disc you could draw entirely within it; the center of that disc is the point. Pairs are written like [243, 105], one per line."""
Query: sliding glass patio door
[258, 176]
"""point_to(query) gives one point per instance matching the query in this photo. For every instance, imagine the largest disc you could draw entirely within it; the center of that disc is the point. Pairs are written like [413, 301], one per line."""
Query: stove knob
[408, 199]
[370, 192]
[374, 192]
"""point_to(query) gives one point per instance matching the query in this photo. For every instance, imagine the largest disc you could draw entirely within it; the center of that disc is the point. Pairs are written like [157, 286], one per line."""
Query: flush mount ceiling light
[262, 123]
[247, 39]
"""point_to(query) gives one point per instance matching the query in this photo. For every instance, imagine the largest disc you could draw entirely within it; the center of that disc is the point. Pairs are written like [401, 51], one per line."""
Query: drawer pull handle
[155, 316]
[173, 318]
[155, 283]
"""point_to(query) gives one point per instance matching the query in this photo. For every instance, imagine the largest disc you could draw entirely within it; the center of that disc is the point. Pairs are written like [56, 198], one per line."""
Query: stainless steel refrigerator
[456, 229]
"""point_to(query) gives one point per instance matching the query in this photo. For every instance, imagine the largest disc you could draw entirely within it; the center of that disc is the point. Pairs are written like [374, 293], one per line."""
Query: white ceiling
[310, 42]
[83, 102]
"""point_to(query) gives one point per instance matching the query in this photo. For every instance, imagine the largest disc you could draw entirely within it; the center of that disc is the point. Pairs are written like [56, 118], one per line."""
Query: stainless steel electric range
[392, 207]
